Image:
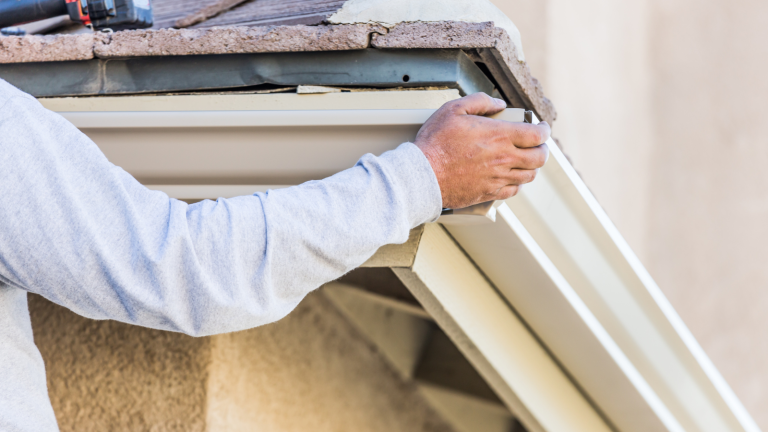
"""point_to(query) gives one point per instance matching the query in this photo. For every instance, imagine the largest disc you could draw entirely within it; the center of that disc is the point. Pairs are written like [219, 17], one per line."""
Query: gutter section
[553, 254]
[560, 262]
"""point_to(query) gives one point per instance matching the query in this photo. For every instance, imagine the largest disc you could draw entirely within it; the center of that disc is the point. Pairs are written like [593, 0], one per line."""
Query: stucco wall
[592, 59]
[709, 225]
[661, 107]
[108, 376]
[310, 371]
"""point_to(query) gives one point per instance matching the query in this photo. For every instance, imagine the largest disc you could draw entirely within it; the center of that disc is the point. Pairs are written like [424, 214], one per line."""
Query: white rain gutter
[552, 252]
[556, 256]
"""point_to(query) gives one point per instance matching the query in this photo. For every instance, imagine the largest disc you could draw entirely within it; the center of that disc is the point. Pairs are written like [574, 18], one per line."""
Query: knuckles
[463, 148]
[533, 137]
[541, 158]
[528, 176]
[509, 192]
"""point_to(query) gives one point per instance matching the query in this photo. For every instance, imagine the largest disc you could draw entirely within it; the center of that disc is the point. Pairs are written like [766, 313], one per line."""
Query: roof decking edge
[237, 40]
[31, 49]
[453, 34]
[170, 42]
[240, 40]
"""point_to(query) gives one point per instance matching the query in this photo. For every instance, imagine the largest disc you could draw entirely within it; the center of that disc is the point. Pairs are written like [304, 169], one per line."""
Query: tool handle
[21, 11]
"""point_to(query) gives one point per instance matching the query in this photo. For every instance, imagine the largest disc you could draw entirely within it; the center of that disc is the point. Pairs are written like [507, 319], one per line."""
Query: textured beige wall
[108, 376]
[592, 59]
[661, 106]
[310, 371]
[709, 224]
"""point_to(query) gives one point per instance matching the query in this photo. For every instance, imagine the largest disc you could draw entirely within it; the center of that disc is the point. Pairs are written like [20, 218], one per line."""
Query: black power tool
[100, 14]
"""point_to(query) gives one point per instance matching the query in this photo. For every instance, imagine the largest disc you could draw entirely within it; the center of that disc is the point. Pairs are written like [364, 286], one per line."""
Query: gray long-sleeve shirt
[83, 233]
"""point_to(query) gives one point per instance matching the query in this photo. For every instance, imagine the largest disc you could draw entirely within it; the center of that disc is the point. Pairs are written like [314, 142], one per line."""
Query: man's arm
[84, 234]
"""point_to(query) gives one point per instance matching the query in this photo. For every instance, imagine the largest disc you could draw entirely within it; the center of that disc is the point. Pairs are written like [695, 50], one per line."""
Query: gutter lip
[208, 119]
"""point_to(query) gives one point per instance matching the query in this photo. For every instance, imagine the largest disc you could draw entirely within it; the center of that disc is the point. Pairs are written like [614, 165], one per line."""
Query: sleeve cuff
[417, 182]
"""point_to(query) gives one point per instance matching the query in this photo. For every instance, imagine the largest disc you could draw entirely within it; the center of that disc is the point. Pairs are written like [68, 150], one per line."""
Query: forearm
[265, 252]
[86, 235]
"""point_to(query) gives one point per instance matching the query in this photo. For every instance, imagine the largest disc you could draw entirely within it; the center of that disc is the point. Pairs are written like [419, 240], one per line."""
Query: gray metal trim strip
[368, 68]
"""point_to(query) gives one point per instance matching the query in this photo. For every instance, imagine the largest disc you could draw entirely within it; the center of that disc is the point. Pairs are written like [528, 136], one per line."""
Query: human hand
[478, 159]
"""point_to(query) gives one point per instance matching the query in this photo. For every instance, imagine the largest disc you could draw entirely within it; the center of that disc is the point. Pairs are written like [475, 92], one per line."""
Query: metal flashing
[366, 68]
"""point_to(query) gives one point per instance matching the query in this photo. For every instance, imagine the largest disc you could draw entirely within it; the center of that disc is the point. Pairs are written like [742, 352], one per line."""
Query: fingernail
[500, 102]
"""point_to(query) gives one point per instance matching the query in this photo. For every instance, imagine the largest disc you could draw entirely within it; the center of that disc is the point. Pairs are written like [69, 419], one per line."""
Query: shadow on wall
[295, 375]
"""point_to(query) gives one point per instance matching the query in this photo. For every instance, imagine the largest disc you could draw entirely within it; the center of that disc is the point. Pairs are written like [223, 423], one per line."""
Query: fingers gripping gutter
[478, 104]
[529, 154]
[525, 135]
[476, 158]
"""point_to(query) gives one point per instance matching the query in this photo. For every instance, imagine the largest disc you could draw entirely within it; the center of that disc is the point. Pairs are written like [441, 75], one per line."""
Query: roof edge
[34, 48]
[242, 40]
[465, 35]
[393, 12]
[172, 42]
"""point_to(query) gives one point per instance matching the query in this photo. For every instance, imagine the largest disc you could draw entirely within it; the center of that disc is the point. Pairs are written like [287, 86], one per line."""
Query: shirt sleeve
[85, 234]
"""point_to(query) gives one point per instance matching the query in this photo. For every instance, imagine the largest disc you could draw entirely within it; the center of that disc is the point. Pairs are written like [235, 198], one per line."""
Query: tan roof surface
[248, 12]
[236, 40]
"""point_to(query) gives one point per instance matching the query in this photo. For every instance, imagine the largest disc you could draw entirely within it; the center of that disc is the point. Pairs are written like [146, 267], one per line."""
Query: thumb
[479, 104]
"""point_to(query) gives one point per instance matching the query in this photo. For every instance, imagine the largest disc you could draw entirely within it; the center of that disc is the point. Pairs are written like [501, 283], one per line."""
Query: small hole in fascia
[406, 78]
